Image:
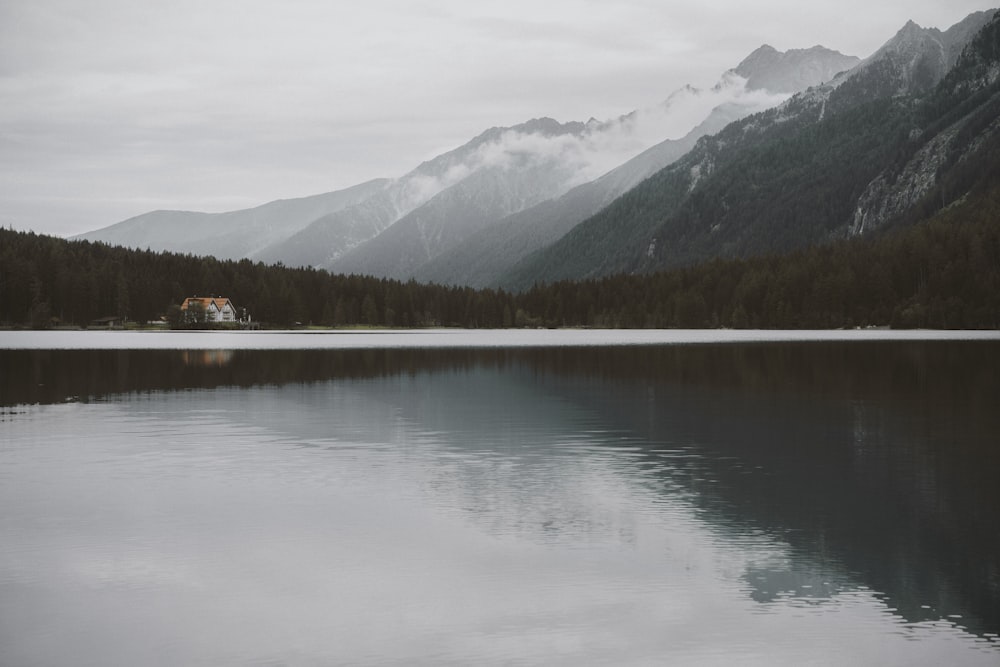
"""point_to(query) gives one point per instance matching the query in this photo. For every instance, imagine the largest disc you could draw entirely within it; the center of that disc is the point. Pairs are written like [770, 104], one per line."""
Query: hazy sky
[111, 108]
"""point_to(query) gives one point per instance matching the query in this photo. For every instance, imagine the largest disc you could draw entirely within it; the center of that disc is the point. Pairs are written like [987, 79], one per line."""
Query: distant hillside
[230, 235]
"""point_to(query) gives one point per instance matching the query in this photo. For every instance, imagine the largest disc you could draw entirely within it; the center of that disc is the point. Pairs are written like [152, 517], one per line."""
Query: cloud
[585, 155]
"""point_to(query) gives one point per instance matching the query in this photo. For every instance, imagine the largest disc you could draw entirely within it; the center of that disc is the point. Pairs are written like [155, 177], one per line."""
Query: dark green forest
[943, 273]
[940, 273]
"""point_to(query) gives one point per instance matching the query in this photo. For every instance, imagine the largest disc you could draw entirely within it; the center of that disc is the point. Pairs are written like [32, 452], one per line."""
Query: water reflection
[206, 357]
[874, 463]
[837, 486]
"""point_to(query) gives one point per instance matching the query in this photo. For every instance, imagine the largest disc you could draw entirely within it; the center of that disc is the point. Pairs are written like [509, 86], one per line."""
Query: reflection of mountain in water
[875, 462]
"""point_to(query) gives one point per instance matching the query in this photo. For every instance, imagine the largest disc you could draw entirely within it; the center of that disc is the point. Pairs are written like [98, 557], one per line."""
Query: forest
[943, 273]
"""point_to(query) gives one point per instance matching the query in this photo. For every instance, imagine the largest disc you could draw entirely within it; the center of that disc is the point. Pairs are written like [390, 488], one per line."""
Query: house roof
[207, 301]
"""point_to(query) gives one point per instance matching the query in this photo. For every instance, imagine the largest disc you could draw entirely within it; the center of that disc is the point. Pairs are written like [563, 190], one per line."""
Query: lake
[546, 497]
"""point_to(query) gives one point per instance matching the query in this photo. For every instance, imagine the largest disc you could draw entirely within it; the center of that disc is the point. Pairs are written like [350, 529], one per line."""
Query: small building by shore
[215, 309]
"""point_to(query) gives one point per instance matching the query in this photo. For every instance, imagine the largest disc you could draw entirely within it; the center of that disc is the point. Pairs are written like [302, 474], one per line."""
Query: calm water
[771, 503]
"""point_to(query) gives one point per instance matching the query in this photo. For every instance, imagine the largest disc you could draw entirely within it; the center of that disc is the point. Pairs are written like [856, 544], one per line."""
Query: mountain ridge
[229, 234]
[772, 182]
[474, 245]
[338, 233]
[539, 201]
[792, 70]
[481, 259]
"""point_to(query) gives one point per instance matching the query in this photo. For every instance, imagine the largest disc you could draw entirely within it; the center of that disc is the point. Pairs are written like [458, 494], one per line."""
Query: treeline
[942, 273]
[46, 281]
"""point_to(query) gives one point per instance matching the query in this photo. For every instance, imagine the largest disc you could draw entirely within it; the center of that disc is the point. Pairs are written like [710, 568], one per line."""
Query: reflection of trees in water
[964, 372]
[876, 462]
[53, 376]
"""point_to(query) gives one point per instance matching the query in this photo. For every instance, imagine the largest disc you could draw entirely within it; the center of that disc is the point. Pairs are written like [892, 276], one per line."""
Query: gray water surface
[737, 503]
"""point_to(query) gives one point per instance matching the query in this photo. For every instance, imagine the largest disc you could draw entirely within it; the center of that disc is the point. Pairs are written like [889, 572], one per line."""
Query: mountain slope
[525, 165]
[516, 168]
[444, 201]
[543, 159]
[230, 235]
[782, 179]
[486, 255]
[328, 239]
[480, 259]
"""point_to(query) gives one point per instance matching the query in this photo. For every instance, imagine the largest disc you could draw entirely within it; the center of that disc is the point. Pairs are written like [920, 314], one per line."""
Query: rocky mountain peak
[790, 71]
[910, 38]
[549, 127]
[916, 58]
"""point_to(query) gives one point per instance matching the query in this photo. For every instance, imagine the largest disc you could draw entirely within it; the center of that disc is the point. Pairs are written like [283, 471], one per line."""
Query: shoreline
[455, 338]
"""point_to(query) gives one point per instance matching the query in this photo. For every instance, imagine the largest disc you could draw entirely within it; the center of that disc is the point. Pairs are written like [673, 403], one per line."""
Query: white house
[217, 309]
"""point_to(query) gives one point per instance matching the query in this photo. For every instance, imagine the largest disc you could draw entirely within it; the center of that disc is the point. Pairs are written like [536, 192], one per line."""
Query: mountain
[328, 239]
[404, 227]
[914, 60]
[474, 248]
[529, 164]
[230, 235]
[502, 171]
[699, 176]
[846, 157]
[958, 119]
[487, 255]
[794, 70]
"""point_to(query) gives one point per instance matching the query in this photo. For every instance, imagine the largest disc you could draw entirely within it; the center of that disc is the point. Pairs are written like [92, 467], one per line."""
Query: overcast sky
[112, 108]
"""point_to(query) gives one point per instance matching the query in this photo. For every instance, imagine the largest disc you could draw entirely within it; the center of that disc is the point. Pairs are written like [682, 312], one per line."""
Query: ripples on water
[724, 505]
